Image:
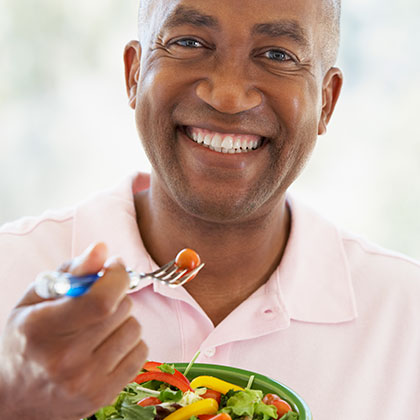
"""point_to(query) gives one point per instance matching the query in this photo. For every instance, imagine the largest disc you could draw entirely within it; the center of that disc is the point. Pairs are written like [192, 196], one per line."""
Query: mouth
[229, 143]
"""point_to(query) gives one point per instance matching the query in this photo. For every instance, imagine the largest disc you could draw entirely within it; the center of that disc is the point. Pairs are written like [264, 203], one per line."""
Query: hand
[64, 359]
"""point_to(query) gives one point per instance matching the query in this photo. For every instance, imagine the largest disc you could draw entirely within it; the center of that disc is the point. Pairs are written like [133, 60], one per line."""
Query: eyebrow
[282, 28]
[183, 15]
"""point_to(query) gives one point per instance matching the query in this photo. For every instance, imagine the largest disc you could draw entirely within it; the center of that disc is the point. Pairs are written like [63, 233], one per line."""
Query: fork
[55, 284]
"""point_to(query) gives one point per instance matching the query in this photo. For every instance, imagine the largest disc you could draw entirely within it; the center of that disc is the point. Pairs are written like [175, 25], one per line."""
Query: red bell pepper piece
[154, 367]
[147, 401]
[163, 377]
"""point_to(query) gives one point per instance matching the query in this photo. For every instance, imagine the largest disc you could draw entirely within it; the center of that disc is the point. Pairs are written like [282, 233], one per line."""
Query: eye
[188, 43]
[277, 55]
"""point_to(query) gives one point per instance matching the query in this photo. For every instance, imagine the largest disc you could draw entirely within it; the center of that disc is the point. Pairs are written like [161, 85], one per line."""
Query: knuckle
[125, 306]
[129, 302]
[102, 306]
[133, 327]
[137, 358]
[77, 385]
[33, 323]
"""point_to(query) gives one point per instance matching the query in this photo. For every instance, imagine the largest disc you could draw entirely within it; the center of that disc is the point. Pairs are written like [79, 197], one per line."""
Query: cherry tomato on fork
[187, 259]
[282, 406]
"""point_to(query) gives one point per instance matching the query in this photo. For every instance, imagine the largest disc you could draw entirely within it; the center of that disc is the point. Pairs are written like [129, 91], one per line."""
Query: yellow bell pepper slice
[213, 383]
[204, 406]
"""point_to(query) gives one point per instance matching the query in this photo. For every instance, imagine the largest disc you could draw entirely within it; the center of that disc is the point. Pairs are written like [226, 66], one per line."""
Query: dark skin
[66, 358]
[215, 65]
[248, 67]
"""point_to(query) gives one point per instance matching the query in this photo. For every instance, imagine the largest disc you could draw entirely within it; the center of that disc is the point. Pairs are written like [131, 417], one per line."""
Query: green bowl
[240, 377]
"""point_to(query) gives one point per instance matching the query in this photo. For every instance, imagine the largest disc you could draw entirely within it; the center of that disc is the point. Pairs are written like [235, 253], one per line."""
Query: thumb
[90, 261]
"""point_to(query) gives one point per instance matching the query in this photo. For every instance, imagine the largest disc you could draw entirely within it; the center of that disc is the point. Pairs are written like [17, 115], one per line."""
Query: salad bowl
[240, 377]
[198, 391]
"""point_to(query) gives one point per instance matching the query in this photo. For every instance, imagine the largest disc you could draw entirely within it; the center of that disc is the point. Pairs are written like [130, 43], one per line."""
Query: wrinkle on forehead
[330, 11]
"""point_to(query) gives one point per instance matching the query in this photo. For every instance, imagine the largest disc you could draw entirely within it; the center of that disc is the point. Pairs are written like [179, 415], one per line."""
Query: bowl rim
[297, 403]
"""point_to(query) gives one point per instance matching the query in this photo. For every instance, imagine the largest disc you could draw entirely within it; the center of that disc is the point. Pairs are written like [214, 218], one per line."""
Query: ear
[132, 54]
[331, 88]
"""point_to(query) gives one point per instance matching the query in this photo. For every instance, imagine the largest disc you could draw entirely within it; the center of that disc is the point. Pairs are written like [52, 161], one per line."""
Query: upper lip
[226, 130]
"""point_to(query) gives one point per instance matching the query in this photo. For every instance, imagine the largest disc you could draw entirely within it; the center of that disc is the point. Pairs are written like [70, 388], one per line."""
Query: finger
[96, 334]
[91, 261]
[120, 343]
[30, 297]
[131, 364]
[125, 372]
[98, 304]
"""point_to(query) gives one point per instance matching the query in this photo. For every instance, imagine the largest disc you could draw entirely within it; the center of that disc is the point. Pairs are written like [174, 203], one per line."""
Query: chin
[220, 210]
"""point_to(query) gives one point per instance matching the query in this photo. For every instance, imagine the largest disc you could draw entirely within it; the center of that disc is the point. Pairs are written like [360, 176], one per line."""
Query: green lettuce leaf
[249, 403]
[170, 395]
[291, 415]
[136, 412]
[133, 394]
[164, 367]
[106, 413]
[225, 398]
[125, 406]
[264, 412]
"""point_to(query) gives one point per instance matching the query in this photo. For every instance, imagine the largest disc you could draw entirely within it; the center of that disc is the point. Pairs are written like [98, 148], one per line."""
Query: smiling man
[229, 99]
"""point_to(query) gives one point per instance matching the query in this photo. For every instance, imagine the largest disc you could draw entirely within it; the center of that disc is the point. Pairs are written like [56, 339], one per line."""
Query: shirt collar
[110, 217]
[314, 275]
[312, 283]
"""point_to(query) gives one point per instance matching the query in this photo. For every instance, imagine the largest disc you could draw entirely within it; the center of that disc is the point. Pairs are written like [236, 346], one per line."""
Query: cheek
[155, 101]
[298, 111]
[300, 107]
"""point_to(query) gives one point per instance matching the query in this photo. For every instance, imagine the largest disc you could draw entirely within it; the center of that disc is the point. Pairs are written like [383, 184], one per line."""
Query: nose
[228, 92]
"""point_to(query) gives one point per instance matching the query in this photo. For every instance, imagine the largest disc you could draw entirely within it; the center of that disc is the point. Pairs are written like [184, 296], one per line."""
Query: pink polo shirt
[338, 321]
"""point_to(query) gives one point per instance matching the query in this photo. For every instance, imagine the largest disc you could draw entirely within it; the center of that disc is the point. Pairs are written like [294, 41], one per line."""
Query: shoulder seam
[37, 224]
[385, 253]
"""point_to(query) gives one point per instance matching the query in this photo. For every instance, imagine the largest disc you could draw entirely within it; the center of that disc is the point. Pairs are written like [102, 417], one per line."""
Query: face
[229, 99]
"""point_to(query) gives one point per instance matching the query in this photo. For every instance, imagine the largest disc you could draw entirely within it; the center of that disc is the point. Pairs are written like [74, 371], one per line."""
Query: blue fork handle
[79, 285]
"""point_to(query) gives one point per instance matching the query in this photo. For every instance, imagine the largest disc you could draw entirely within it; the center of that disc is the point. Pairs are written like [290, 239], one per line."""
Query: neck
[239, 257]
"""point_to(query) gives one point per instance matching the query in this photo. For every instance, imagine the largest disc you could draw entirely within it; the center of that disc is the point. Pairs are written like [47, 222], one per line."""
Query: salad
[160, 392]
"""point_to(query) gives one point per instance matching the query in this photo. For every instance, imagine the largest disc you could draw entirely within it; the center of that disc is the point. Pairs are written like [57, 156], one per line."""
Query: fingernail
[88, 250]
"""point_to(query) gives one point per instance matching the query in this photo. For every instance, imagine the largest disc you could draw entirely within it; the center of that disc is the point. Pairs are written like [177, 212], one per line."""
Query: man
[229, 99]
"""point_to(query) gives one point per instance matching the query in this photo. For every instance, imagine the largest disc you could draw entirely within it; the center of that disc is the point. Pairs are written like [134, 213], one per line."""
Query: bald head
[331, 12]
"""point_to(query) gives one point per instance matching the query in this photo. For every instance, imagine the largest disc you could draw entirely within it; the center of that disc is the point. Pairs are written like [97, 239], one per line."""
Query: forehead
[240, 15]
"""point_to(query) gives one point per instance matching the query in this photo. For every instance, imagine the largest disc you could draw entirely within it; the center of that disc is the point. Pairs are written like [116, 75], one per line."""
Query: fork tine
[173, 274]
[176, 276]
[161, 269]
[189, 276]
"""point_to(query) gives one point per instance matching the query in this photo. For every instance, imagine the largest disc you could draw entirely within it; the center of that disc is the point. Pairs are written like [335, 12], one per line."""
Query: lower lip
[212, 158]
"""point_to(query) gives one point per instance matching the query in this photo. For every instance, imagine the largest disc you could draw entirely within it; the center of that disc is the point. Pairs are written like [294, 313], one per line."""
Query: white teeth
[200, 138]
[224, 143]
[207, 139]
[227, 142]
[216, 141]
[237, 143]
